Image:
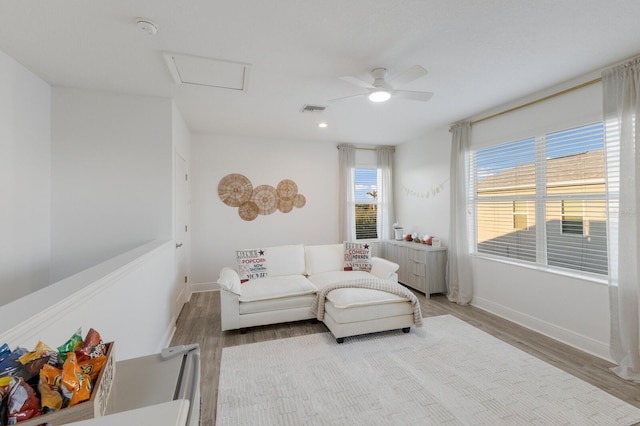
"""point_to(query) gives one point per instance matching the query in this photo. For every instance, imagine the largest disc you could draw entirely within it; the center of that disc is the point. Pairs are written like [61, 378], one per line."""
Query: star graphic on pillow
[366, 246]
[261, 252]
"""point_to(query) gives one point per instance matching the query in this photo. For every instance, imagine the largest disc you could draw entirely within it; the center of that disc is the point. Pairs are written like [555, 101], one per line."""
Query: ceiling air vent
[312, 108]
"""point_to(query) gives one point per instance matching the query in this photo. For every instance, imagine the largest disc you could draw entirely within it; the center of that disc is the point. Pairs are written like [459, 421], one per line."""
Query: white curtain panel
[386, 212]
[346, 196]
[459, 269]
[621, 94]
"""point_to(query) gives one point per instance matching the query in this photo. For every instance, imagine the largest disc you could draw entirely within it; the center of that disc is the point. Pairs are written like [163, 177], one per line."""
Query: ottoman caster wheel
[314, 321]
[406, 329]
[340, 340]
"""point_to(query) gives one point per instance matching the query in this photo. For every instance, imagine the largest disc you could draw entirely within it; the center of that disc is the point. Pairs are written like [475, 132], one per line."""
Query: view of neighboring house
[573, 208]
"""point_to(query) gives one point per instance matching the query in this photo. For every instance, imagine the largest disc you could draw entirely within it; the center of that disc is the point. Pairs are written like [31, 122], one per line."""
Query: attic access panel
[186, 69]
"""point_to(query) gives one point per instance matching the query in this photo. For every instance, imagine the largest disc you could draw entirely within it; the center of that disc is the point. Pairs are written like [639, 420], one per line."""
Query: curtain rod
[370, 149]
[536, 101]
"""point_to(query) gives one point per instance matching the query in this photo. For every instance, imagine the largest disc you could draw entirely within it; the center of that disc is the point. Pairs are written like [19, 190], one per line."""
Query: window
[520, 215]
[572, 217]
[543, 200]
[366, 203]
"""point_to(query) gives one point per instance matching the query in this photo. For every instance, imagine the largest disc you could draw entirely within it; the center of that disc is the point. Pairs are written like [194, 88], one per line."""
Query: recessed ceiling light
[322, 125]
[147, 26]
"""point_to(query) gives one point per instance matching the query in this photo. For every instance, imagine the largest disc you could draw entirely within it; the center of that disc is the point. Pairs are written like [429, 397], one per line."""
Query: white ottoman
[353, 311]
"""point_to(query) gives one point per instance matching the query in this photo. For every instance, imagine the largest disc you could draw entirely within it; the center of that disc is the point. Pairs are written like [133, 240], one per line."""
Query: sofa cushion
[357, 256]
[343, 298]
[323, 258]
[367, 312]
[279, 304]
[276, 287]
[230, 281]
[324, 279]
[383, 268]
[270, 262]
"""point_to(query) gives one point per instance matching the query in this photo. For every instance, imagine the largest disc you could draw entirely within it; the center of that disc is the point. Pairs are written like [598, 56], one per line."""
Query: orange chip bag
[75, 385]
[50, 399]
[92, 366]
[51, 375]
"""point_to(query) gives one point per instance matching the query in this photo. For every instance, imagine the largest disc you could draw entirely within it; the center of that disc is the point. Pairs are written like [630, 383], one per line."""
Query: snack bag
[10, 366]
[92, 346]
[4, 351]
[52, 376]
[23, 403]
[75, 385]
[92, 366]
[70, 345]
[35, 360]
[50, 399]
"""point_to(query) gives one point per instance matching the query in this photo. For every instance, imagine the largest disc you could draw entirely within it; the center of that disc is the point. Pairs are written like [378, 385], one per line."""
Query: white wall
[421, 182]
[25, 153]
[111, 176]
[217, 228]
[125, 298]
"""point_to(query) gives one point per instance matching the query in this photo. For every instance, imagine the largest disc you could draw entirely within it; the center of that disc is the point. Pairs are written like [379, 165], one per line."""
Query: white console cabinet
[422, 267]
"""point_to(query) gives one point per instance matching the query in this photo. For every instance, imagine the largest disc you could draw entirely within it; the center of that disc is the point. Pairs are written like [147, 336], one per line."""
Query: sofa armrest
[383, 268]
[229, 280]
[229, 310]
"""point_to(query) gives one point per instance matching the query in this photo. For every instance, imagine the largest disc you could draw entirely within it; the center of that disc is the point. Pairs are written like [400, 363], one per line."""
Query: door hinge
[186, 228]
[185, 279]
[186, 177]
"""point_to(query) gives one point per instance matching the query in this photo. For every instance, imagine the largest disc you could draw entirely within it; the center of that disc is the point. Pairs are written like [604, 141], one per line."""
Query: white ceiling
[479, 54]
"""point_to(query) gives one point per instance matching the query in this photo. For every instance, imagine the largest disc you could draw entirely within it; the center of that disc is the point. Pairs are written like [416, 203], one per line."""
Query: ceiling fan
[382, 90]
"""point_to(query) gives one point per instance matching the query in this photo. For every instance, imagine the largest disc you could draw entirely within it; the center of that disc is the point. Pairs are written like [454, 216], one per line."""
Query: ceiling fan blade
[348, 97]
[407, 76]
[414, 96]
[356, 82]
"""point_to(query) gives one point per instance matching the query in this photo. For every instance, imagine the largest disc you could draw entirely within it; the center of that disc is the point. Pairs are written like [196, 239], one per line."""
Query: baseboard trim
[571, 338]
[203, 287]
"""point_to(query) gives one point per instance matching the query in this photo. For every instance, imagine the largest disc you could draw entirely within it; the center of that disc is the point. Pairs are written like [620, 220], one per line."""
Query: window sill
[593, 278]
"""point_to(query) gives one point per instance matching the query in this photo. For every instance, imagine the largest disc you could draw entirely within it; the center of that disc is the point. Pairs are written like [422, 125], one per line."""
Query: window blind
[543, 199]
[366, 203]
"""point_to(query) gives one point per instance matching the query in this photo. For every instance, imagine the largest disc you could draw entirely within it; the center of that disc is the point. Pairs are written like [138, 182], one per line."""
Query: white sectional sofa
[280, 284]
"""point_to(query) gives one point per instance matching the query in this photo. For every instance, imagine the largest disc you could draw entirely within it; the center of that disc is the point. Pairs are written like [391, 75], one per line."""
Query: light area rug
[447, 373]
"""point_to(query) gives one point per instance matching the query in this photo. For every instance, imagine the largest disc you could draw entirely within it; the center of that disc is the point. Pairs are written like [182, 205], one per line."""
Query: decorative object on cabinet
[236, 190]
[422, 267]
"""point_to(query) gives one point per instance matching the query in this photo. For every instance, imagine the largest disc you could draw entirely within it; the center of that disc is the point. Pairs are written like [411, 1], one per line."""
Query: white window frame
[541, 199]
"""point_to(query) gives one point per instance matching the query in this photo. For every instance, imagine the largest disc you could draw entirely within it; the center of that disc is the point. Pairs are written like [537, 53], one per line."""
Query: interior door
[181, 232]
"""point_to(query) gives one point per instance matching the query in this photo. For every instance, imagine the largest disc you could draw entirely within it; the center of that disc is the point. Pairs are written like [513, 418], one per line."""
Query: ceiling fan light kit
[382, 90]
[380, 95]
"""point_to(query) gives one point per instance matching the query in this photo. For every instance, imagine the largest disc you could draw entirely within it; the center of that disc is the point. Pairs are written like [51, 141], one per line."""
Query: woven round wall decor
[299, 201]
[235, 189]
[287, 189]
[285, 205]
[266, 198]
[248, 210]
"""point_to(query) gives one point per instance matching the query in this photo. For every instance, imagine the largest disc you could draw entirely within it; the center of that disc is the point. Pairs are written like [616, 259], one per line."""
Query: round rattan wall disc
[248, 210]
[235, 189]
[285, 205]
[266, 198]
[287, 188]
[299, 201]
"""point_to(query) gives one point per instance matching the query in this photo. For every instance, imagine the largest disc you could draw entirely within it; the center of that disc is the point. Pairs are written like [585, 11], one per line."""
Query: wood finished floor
[199, 322]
